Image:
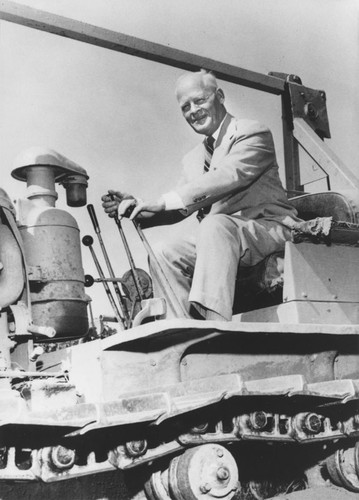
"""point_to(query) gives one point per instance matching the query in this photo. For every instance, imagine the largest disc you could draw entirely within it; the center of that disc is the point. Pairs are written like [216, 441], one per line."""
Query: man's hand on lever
[125, 205]
[111, 201]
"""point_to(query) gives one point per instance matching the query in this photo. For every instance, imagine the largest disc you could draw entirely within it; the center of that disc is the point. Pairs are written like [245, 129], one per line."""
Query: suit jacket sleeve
[250, 153]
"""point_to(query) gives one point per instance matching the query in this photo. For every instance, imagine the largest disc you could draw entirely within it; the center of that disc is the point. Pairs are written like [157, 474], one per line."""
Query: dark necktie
[208, 153]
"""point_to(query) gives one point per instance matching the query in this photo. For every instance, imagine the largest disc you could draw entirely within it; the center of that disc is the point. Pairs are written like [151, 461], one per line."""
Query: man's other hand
[125, 205]
[136, 207]
[112, 200]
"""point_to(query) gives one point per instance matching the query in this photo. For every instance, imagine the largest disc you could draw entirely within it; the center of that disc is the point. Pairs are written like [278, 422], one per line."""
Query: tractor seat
[342, 207]
[262, 285]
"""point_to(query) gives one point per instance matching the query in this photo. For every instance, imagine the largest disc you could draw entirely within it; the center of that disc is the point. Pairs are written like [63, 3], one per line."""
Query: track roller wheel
[203, 473]
[156, 488]
[343, 468]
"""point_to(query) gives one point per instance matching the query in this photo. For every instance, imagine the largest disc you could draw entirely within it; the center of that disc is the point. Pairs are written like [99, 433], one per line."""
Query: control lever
[134, 273]
[88, 241]
[122, 303]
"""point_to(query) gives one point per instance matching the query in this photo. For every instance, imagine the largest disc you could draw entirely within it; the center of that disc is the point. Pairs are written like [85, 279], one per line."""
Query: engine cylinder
[53, 255]
[52, 242]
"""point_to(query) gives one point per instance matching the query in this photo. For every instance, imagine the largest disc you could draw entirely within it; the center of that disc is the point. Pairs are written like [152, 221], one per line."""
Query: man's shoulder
[245, 126]
[233, 129]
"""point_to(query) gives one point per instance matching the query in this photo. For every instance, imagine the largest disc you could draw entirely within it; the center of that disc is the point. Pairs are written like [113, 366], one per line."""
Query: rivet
[304, 295]
[205, 488]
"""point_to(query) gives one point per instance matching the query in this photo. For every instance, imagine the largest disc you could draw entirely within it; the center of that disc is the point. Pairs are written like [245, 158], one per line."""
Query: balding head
[201, 101]
[203, 78]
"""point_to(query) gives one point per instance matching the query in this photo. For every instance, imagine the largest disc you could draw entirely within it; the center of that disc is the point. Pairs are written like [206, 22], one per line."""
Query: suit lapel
[194, 160]
[224, 140]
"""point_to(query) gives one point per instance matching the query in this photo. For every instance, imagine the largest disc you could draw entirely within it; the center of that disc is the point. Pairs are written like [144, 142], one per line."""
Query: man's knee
[164, 250]
[173, 251]
[218, 226]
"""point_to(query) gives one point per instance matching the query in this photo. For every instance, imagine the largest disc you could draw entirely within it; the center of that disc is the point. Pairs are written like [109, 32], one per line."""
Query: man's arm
[250, 155]
[160, 219]
[150, 214]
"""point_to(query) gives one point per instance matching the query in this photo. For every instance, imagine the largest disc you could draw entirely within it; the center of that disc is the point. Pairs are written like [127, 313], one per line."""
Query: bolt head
[136, 448]
[62, 458]
[311, 111]
[222, 473]
[205, 488]
[258, 420]
[312, 423]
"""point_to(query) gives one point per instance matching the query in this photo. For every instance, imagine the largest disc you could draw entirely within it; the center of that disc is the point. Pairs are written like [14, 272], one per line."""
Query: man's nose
[194, 107]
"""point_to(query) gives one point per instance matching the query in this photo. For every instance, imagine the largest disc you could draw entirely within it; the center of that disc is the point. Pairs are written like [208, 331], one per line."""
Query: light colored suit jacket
[243, 178]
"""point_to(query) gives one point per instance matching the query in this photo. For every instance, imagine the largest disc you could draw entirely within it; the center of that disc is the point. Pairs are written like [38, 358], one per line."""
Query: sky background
[116, 115]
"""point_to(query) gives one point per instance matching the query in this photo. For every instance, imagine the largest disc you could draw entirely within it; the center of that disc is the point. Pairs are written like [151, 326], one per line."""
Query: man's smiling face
[201, 105]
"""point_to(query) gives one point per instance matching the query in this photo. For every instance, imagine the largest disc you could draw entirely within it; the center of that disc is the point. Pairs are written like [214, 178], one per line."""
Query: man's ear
[220, 95]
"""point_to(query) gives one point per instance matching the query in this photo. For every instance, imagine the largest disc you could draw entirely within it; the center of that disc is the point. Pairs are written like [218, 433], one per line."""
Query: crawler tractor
[263, 405]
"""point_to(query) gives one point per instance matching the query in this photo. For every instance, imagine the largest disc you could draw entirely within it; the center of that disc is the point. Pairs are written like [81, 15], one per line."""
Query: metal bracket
[305, 102]
[310, 104]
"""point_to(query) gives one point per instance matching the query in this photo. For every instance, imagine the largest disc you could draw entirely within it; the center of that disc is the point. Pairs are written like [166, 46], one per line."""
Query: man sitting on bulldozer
[231, 180]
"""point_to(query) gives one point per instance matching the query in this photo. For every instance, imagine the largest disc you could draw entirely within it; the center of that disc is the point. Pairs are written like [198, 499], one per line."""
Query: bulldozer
[263, 406]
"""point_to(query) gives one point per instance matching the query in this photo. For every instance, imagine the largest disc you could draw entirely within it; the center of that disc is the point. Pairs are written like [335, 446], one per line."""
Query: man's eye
[200, 101]
[185, 108]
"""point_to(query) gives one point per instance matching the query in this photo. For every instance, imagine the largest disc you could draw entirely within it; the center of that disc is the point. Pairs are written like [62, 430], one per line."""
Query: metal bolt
[153, 362]
[219, 453]
[136, 448]
[62, 458]
[311, 111]
[304, 295]
[335, 297]
[184, 362]
[222, 473]
[258, 420]
[312, 423]
[205, 488]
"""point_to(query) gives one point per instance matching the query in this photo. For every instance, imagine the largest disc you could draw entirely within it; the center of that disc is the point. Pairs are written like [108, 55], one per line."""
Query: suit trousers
[202, 268]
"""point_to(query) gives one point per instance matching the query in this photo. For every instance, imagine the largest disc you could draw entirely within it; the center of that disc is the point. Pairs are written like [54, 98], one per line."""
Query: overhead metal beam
[101, 37]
